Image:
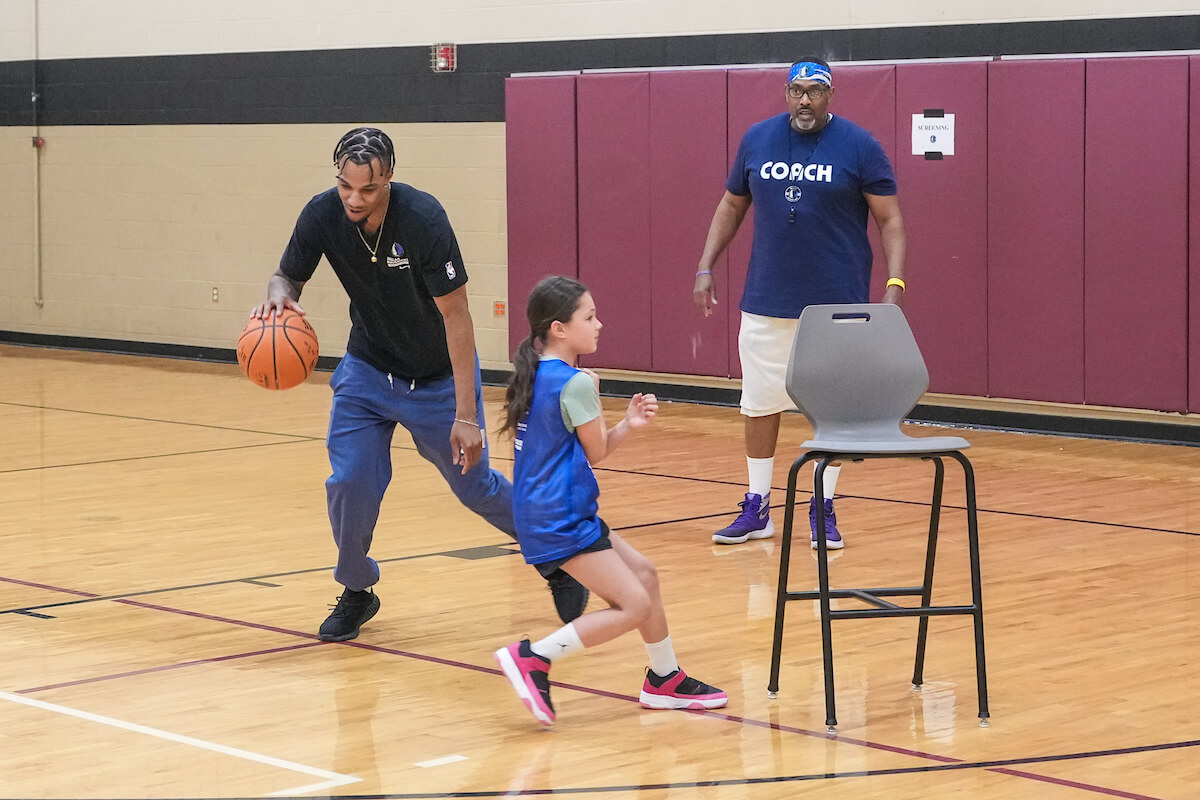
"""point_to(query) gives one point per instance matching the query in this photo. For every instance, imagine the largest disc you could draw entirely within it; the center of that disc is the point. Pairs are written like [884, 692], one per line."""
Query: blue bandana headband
[810, 70]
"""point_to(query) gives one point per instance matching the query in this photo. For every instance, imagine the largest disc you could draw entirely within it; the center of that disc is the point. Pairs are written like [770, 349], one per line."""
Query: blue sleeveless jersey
[555, 494]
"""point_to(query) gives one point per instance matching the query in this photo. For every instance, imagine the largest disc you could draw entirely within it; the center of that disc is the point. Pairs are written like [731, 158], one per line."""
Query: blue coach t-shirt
[810, 217]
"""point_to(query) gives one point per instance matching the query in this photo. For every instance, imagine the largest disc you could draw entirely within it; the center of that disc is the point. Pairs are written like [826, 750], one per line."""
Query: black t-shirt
[395, 324]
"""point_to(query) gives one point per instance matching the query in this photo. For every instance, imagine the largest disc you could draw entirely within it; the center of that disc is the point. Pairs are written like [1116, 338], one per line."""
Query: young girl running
[553, 411]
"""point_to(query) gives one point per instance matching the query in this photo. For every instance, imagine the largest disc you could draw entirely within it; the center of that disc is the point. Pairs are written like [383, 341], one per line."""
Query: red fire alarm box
[443, 57]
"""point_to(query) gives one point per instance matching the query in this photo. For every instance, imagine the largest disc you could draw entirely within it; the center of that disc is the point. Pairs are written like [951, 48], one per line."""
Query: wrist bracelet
[466, 422]
[704, 272]
[896, 282]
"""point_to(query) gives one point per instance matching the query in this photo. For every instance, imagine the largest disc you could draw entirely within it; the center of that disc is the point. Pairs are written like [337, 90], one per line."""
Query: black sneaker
[352, 610]
[570, 596]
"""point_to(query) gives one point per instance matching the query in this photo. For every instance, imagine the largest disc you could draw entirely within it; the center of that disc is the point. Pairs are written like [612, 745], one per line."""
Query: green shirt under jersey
[579, 401]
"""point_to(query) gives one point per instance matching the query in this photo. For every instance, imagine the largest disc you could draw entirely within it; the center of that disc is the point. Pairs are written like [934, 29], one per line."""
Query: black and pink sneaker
[529, 675]
[677, 690]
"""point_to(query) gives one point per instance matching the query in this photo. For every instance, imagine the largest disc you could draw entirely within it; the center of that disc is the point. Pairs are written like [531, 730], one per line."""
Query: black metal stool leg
[976, 588]
[884, 608]
[823, 588]
[935, 513]
[785, 556]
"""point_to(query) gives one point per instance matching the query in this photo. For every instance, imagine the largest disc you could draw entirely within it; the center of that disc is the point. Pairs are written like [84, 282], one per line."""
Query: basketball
[279, 351]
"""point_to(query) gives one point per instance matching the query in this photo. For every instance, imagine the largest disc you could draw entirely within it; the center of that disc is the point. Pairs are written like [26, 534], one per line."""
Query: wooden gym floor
[166, 560]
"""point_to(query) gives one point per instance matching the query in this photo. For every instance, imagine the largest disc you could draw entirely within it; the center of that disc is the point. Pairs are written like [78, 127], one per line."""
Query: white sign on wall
[933, 132]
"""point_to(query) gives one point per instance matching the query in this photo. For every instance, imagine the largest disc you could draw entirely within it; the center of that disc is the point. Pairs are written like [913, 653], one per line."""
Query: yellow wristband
[896, 282]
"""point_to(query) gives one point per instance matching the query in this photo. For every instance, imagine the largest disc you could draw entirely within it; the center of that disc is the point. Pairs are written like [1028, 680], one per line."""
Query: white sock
[831, 476]
[662, 657]
[761, 471]
[562, 642]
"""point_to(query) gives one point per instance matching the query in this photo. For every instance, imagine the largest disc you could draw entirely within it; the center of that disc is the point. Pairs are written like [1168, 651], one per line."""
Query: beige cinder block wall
[140, 224]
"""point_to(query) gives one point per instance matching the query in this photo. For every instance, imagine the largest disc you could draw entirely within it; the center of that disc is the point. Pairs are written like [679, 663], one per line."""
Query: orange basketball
[278, 352]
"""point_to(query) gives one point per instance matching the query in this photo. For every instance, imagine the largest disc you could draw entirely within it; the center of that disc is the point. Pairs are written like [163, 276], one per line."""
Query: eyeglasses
[814, 93]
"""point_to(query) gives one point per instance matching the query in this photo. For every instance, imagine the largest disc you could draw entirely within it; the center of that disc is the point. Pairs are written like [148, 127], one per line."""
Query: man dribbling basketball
[410, 360]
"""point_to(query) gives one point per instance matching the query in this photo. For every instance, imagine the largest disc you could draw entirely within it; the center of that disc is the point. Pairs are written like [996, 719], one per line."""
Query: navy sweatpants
[367, 405]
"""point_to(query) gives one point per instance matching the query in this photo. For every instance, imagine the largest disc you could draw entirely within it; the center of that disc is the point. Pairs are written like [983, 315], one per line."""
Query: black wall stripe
[396, 85]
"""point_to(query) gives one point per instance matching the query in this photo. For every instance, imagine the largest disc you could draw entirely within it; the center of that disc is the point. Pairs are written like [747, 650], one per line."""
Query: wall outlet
[499, 308]
[216, 295]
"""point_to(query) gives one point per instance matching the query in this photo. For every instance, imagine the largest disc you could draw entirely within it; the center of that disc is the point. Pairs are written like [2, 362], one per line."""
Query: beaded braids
[364, 145]
[554, 299]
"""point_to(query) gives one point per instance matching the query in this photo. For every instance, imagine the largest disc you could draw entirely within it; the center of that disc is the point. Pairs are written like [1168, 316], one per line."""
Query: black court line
[470, 553]
[133, 418]
[636, 473]
[805, 494]
[499, 549]
[151, 456]
[166, 667]
[1003, 766]
[1022, 514]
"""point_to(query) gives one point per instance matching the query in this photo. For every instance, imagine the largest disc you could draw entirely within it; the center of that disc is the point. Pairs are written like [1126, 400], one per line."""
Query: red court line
[47, 588]
[165, 667]
[1087, 787]
[601, 693]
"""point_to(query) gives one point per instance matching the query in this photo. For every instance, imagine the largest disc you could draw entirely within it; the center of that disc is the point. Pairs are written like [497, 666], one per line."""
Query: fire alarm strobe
[443, 57]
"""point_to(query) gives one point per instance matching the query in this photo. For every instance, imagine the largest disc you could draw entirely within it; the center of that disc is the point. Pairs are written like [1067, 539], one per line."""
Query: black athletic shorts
[603, 543]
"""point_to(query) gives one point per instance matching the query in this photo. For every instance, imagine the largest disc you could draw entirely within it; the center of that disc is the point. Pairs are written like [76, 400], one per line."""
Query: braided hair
[363, 146]
[553, 299]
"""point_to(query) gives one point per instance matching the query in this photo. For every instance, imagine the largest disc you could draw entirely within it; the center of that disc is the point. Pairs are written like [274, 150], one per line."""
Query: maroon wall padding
[946, 202]
[866, 95]
[754, 95]
[1194, 239]
[613, 113]
[540, 144]
[687, 173]
[1035, 231]
[1135, 229]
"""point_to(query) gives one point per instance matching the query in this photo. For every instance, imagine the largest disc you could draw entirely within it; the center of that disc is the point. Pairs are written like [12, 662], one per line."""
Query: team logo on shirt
[792, 193]
[450, 273]
[397, 259]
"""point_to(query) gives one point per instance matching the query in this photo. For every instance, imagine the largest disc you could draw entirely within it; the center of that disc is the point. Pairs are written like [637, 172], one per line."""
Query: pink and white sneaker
[677, 690]
[529, 675]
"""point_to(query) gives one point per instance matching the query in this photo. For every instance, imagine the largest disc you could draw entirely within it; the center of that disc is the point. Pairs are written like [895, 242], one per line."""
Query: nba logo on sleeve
[450, 273]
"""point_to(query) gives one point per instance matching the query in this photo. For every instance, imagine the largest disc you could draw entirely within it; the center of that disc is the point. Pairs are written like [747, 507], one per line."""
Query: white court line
[332, 779]
[439, 762]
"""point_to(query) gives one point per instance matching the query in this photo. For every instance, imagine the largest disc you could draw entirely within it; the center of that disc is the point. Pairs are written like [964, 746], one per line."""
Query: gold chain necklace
[378, 235]
[367, 245]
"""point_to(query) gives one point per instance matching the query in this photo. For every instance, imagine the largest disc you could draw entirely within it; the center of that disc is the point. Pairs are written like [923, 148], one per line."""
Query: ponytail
[554, 299]
[519, 397]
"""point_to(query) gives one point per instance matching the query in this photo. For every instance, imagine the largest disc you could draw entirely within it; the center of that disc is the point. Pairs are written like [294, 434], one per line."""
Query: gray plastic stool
[855, 372]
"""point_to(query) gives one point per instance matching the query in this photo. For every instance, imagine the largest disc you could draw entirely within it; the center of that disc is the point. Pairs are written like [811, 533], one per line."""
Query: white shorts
[765, 346]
